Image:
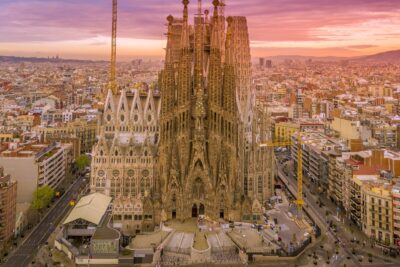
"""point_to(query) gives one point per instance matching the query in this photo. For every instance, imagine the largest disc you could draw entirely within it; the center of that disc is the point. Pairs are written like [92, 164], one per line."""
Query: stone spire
[168, 85]
[199, 109]
[184, 75]
[199, 49]
[185, 10]
[169, 52]
[229, 77]
[215, 73]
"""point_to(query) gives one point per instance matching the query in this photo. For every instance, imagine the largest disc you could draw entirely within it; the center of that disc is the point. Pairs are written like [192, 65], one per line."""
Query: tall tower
[206, 94]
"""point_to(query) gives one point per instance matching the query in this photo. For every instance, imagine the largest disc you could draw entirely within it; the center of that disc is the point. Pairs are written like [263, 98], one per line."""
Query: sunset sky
[81, 28]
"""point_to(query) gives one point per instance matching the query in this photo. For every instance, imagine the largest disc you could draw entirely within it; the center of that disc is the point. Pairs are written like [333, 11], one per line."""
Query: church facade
[210, 131]
[195, 149]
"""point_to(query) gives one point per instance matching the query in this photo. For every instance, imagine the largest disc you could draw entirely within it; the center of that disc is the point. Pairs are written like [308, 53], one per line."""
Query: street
[342, 238]
[25, 253]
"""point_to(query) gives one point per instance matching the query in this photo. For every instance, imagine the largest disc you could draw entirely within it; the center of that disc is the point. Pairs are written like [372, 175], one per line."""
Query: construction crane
[112, 82]
[299, 198]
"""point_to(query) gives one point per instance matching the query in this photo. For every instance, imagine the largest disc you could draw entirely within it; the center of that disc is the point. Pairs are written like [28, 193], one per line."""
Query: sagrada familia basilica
[189, 146]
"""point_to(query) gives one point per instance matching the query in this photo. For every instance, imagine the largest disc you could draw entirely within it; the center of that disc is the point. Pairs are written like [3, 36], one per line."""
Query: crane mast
[113, 83]
[299, 198]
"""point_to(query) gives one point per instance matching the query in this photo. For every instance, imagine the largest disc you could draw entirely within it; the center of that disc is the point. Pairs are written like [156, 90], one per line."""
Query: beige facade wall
[86, 132]
[30, 172]
[396, 213]
[25, 172]
[348, 129]
[377, 213]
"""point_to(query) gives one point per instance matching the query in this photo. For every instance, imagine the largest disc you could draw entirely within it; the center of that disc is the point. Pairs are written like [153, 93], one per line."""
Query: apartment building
[316, 150]
[348, 128]
[360, 183]
[335, 178]
[377, 213]
[35, 164]
[353, 204]
[51, 116]
[382, 162]
[385, 135]
[282, 131]
[84, 130]
[396, 213]
[8, 198]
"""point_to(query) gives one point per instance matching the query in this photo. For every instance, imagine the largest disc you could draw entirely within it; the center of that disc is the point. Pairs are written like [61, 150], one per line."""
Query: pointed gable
[136, 115]
[109, 108]
[150, 110]
[102, 148]
[123, 112]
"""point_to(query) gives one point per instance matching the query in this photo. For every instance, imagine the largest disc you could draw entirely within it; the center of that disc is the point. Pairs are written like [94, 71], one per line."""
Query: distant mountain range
[388, 56]
[282, 58]
[384, 57]
[15, 59]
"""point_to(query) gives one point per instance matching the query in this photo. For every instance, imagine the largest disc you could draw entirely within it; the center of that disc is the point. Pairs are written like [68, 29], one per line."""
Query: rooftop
[90, 208]
[104, 231]
[26, 150]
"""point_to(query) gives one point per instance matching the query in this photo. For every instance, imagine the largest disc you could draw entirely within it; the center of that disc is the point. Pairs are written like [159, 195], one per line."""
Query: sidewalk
[347, 231]
[47, 211]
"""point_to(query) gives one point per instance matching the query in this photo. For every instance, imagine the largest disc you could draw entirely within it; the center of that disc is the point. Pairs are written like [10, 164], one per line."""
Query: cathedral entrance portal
[221, 213]
[201, 209]
[173, 214]
[194, 211]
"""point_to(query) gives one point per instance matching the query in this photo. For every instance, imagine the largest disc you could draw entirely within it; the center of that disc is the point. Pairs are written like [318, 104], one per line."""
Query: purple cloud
[39, 20]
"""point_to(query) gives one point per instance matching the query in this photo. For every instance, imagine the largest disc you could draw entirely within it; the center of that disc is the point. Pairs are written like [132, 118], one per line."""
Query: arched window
[147, 184]
[260, 185]
[246, 185]
[142, 187]
[250, 184]
[133, 187]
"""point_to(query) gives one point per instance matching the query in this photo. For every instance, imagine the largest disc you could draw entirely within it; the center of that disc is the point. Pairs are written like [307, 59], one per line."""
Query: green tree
[82, 162]
[42, 197]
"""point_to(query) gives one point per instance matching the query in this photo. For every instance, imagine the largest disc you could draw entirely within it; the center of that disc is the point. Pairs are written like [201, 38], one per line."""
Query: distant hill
[282, 58]
[384, 57]
[14, 59]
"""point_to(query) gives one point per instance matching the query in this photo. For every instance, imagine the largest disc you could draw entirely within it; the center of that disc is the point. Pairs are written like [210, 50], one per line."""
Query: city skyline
[310, 28]
[259, 133]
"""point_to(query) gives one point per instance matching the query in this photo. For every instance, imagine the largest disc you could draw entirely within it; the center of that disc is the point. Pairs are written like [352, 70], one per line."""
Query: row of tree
[43, 195]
